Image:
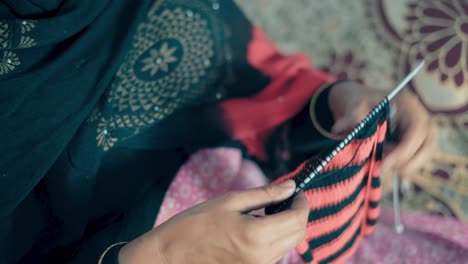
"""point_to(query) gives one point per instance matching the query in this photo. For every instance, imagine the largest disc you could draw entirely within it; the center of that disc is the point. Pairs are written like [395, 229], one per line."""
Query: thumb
[253, 199]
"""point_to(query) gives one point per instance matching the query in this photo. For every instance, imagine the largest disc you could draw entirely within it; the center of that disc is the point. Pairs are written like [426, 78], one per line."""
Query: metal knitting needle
[405, 81]
[398, 225]
[389, 97]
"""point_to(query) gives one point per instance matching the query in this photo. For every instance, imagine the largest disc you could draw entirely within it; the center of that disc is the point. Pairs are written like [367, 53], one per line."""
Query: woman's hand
[351, 102]
[222, 231]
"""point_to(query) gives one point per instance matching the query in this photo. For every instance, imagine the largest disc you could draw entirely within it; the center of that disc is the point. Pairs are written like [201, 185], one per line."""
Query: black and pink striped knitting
[343, 190]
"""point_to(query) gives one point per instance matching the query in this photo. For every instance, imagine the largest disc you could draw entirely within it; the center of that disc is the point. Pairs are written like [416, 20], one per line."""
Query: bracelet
[313, 114]
[112, 253]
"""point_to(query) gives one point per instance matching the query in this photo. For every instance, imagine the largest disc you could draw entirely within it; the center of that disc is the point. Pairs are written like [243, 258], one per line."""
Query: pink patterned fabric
[207, 174]
[427, 239]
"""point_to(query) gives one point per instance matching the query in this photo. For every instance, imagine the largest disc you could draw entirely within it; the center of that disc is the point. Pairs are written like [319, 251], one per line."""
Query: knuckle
[230, 197]
[269, 191]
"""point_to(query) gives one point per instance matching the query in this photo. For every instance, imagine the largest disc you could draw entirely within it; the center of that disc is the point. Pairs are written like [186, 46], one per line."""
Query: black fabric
[62, 75]
[60, 78]
[112, 255]
[59, 65]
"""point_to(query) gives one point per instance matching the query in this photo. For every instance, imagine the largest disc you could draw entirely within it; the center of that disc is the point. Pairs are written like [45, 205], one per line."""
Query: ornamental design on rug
[438, 32]
[346, 66]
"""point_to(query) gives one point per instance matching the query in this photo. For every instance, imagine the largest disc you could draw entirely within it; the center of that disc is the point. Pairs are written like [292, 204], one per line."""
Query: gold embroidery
[8, 62]
[171, 64]
[27, 25]
[159, 59]
[4, 35]
[104, 139]
[26, 42]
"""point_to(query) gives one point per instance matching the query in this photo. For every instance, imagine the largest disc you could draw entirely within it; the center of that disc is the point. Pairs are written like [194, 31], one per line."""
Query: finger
[248, 200]
[423, 155]
[288, 222]
[412, 138]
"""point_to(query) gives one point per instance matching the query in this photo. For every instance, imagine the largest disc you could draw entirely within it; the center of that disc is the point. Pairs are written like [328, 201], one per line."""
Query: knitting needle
[389, 97]
[399, 227]
[405, 81]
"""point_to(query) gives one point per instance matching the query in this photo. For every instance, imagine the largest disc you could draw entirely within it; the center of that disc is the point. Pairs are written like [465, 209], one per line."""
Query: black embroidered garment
[80, 78]
[96, 96]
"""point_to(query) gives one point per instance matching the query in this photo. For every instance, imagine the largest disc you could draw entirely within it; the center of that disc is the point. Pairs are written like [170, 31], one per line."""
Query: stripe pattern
[343, 194]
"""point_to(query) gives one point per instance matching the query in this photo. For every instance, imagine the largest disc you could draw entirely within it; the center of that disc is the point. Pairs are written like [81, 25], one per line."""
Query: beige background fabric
[377, 42]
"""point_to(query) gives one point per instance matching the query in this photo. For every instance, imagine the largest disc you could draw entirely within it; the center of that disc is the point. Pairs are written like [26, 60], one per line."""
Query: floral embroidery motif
[159, 59]
[4, 35]
[8, 62]
[27, 25]
[26, 42]
[104, 139]
[171, 65]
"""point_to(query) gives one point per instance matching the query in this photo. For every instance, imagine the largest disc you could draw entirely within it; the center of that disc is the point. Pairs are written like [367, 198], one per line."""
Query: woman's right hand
[222, 231]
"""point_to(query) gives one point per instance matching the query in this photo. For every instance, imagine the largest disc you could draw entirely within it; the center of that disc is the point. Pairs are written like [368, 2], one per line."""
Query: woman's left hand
[351, 102]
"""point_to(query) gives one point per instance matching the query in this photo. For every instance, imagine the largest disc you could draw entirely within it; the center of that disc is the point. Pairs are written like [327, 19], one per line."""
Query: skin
[221, 230]
[351, 102]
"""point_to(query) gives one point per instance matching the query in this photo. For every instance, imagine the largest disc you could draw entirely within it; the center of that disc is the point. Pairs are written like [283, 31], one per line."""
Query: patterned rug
[377, 42]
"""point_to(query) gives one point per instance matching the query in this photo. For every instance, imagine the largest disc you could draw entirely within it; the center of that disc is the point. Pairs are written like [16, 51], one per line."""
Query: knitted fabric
[343, 190]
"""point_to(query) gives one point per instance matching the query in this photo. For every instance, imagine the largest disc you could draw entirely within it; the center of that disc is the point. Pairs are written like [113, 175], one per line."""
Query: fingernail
[288, 185]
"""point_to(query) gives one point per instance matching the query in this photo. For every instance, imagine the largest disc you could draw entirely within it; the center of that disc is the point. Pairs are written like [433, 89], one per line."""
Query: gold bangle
[313, 115]
[101, 258]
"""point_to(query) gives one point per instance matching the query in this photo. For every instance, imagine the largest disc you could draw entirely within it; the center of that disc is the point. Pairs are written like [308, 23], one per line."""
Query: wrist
[335, 90]
[321, 110]
[142, 251]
